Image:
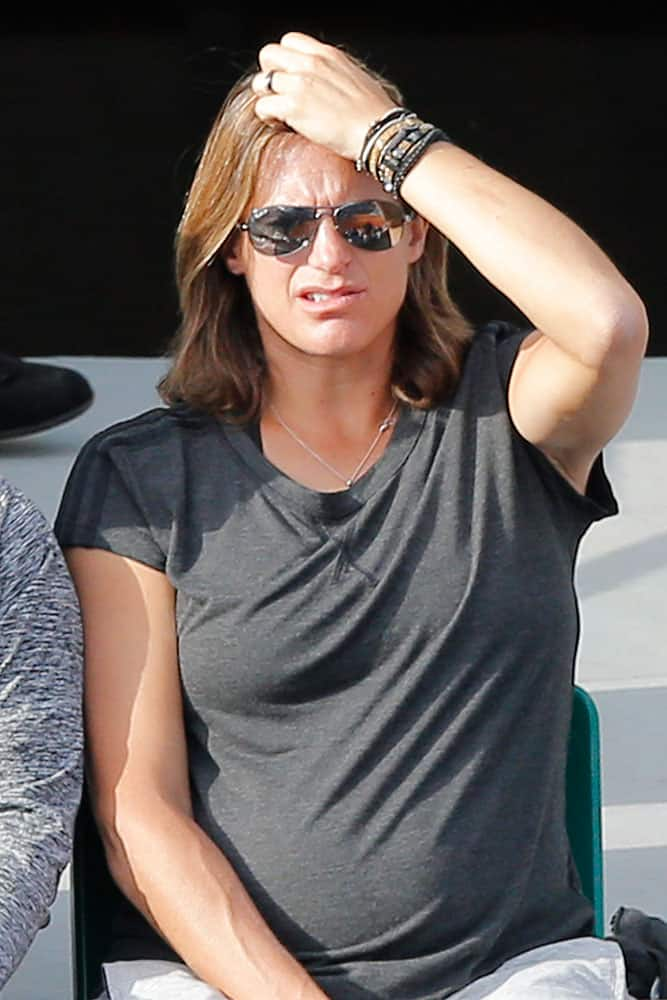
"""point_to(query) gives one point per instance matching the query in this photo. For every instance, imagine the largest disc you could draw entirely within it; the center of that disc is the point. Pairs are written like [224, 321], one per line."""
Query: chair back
[584, 811]
[93, 899]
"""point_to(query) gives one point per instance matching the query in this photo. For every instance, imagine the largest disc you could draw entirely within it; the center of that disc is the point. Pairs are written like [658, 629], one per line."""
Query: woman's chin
[332, 337]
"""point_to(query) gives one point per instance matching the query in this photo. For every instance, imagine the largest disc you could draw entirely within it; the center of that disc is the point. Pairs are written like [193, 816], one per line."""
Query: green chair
[93, 891]
[584, 811]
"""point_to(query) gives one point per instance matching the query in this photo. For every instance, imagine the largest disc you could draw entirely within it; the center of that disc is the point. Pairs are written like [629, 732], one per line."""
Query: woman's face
[329, 299]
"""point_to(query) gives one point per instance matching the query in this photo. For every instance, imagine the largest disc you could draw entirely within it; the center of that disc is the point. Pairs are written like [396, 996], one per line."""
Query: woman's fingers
[263, 82]
[318, 91]
[271, 102]
[275, 55]
[272, 107]
[294, 43]
[302, 43]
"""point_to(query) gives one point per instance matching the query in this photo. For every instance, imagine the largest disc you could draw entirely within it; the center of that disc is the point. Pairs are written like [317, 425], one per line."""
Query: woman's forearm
[544, 263]
[186, 888]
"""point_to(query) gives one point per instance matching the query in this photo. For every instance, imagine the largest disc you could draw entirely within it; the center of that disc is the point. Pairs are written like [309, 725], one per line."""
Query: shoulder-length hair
[217, 358]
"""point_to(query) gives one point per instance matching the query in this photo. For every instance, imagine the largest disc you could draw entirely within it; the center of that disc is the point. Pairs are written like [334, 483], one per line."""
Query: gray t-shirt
[41, 729]
[377, 682]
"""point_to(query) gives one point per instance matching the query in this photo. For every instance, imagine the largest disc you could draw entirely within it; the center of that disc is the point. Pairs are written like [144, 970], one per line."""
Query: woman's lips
[322, 300]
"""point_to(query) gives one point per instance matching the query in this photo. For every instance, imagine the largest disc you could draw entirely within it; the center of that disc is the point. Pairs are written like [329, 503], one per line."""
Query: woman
[327, 591]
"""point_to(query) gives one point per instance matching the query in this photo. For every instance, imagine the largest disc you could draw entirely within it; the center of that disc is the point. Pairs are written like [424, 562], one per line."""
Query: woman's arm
[575, 379]
[159, 856]
[41, 738]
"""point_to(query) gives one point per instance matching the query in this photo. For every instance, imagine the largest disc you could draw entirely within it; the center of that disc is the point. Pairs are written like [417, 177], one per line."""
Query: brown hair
[217, 355]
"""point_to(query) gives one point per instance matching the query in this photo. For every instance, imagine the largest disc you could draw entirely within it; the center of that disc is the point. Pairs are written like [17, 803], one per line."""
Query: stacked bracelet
[394, 144]
[374, 131]
[413, 154]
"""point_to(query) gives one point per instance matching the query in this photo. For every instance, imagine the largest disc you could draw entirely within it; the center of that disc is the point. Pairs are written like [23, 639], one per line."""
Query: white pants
[580, 969]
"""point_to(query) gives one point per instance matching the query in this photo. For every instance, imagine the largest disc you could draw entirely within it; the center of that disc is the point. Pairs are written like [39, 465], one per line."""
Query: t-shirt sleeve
[106, 504]
[599, 500]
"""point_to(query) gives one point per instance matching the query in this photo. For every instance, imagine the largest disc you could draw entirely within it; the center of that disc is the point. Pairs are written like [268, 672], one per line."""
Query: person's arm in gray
[40, 722]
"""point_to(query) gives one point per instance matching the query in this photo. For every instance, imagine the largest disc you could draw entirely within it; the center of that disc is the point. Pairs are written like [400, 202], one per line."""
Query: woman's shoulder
[151, 429]
[19, 514]
[127, 479]
[500, 334]
[492, 352]
[26, 536]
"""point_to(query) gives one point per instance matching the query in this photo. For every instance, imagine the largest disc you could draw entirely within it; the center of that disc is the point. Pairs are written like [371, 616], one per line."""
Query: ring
[268, 82]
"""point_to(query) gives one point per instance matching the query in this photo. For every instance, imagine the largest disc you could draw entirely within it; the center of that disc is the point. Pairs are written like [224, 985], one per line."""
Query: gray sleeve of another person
[41, 732]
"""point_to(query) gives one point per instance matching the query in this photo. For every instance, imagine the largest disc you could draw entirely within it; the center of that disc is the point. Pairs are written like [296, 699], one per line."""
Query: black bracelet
[415, 154]
[400, 146]
[374, 131]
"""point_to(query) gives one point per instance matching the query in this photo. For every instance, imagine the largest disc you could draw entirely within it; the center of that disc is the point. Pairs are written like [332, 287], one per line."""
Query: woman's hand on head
[319, 92]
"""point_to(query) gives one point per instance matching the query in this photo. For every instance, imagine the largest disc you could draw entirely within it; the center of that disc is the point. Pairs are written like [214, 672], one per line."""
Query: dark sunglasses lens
[371, 225]
[280, 229]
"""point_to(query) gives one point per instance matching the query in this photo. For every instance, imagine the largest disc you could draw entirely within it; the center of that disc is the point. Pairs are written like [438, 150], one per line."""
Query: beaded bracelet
[414, 155]
[404, 152]
[393, 145]
[383, 139]
[394, 152]
[375, 130]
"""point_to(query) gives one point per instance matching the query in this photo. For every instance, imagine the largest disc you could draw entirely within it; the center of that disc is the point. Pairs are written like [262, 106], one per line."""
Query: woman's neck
[326, 432]
[349, 397]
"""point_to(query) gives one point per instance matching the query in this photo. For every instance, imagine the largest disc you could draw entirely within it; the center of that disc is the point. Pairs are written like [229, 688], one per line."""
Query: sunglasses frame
[315, 213]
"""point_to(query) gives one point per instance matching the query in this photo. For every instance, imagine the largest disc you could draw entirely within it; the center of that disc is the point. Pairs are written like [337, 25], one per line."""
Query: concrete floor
[622, 583]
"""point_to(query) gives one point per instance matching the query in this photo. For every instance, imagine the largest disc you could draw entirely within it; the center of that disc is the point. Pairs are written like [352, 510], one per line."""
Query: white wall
[622, 583]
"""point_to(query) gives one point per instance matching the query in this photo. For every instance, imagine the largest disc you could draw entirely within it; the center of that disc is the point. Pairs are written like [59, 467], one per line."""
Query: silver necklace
[388, 422]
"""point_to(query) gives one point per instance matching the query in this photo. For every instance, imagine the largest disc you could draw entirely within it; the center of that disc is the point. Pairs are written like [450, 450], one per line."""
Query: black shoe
[643, 941]
[34, 397]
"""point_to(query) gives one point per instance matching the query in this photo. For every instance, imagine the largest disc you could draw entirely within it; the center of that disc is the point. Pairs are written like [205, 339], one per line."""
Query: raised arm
[575, 379]
[159, 856]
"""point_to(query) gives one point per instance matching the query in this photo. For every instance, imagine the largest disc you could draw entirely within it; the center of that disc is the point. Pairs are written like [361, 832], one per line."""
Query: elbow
[621, 329]
[118, 830]
[630, 329]
[127, 832]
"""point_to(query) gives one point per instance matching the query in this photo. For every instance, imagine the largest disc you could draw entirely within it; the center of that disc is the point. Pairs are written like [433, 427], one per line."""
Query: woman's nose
[329, 251]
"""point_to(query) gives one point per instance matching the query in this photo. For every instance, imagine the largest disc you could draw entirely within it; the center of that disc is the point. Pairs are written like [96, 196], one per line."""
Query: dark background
[103, 115]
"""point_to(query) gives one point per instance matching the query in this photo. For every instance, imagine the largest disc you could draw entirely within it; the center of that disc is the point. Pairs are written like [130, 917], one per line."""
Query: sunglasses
[279, 230]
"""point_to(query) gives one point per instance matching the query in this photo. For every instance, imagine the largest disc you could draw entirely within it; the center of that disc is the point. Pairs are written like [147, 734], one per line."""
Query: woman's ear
[417, 233]
[234, 256]
[234, 259]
